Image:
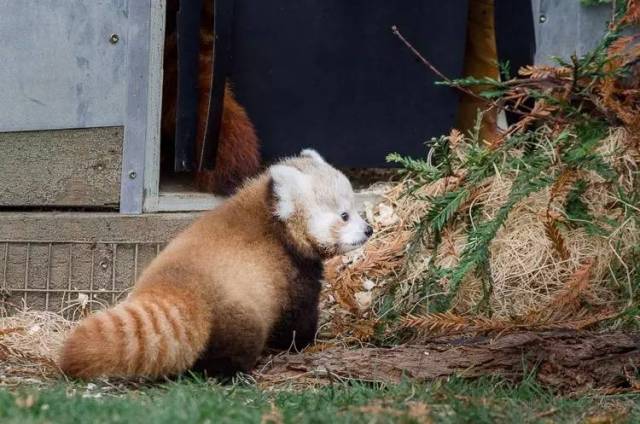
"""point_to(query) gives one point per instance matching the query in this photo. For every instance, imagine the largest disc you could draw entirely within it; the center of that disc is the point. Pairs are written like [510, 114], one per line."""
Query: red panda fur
[235, 281]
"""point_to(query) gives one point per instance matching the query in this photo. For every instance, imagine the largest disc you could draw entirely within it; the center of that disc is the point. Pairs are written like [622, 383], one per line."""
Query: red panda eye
[344, 216]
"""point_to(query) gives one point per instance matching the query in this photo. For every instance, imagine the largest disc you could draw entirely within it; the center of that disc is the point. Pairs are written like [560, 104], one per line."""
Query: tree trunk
[565, 360]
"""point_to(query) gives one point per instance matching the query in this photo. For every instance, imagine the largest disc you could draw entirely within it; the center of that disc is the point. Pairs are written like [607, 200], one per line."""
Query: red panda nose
[369, 231]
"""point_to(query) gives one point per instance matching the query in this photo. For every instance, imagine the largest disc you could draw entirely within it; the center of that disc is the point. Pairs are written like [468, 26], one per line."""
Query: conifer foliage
[561, 142]
[536, 228]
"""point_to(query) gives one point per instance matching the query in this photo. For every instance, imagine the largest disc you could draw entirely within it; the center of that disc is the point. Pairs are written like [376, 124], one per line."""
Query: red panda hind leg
[238, 338]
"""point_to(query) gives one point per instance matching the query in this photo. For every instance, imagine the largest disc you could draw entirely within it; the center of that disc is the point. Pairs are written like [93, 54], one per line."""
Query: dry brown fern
[576, 289]
[567, 302]
[455, 137]
[448, 324]
[555, 237]
[559, 191]
[544, 71]
[562, 185]
[381, 257]
[632, 16]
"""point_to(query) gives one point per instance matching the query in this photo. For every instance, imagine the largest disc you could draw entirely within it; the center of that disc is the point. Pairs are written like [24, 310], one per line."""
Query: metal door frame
[141, 149]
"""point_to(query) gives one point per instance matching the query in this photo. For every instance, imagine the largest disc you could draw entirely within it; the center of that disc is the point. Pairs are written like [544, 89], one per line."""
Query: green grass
[455, 401]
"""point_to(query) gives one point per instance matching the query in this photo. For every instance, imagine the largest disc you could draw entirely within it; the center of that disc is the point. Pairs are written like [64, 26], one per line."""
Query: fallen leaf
[26, 402]
[363, 300]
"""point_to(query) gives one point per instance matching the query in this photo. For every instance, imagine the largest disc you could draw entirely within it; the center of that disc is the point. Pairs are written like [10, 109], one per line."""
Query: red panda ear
[289, 188]
[312, 154]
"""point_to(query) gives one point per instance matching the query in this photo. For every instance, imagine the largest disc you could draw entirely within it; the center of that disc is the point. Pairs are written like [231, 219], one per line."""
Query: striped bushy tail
[148, 336]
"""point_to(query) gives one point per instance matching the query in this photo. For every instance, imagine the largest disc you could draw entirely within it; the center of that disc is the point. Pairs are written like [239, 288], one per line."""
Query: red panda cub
[243, 277]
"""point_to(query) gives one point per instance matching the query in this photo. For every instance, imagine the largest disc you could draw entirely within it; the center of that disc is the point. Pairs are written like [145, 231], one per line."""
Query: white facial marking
[320, 225]
[289, 186]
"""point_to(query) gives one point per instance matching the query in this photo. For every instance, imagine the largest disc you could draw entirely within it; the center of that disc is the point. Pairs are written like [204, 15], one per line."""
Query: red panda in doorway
[238, 156]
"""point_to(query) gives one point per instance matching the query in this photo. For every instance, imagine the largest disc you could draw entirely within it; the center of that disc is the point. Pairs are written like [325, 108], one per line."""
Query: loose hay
[29, 344]
[526, 270]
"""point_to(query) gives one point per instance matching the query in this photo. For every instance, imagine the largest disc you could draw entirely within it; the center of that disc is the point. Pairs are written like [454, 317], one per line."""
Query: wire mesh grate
[71, 278]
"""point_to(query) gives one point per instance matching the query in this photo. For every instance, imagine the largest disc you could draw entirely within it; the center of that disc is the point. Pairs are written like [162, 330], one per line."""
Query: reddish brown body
[242, 277]
[238, 155]
[235, 281]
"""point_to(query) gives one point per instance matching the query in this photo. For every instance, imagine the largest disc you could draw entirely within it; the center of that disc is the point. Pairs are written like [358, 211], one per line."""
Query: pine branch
[448, 324]
[555, 237]
[444, 208]
[476, 251]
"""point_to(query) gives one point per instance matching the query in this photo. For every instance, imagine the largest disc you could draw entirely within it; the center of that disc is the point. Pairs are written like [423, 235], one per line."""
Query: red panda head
[316, 202]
